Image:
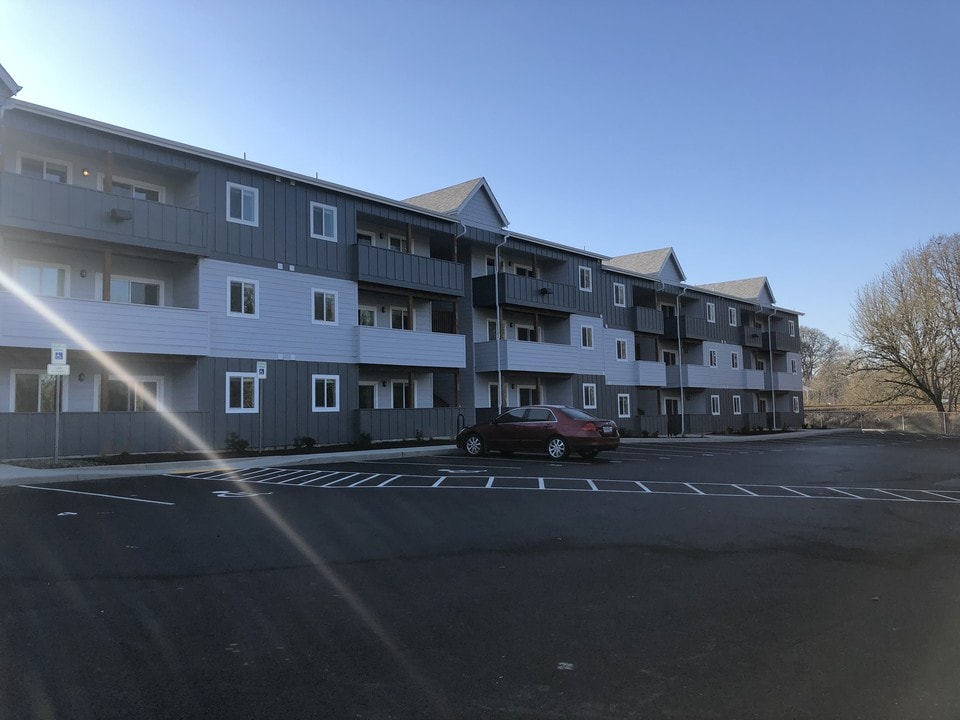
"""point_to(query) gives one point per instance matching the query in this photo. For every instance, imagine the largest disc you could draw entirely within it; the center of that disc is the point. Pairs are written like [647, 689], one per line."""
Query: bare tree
[817, 349]
[907, 324]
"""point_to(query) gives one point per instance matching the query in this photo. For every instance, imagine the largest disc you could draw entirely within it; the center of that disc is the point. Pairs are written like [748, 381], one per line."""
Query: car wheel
[589, 453]
[474, 444]
[557, 448]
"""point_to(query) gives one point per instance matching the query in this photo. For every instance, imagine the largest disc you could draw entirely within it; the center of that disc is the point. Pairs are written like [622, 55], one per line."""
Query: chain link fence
[909, 420]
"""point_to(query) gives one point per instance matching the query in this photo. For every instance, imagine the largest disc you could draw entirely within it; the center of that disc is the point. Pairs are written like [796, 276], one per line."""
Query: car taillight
[589, 427]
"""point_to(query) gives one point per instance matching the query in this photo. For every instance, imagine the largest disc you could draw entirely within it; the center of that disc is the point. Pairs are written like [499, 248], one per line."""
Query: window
[524, 271]
[527, 395]
[796, 403]
[586, 279]
[326, 393]
[621, 349]
[492, 330]
[758, 362]
[323, 222]
[669, 358]
[671, 406]
[243, 204]
[732, 316]
[714, 404]
[399, 243]
[491, 266]
[43, 169]
[711, 312]
[243, 297]
[399, 318]
[619, 294]
[713, 358]
[364, 238]
[44, 280]
[116, 396]
[623, 405]
[134, 189]
[325, 307]
[793, 366]
[526, 333]
[735, 360]
[586, 336]
[243, 393]
[493, 390]
[367, 316]
[737, 409]
[791, 328]
[367, 396]
[137, 291]
[589, 396]
[35, 391]
[401, 396]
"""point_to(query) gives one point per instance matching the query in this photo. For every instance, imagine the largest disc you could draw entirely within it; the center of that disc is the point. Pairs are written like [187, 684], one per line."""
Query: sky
[808, 141]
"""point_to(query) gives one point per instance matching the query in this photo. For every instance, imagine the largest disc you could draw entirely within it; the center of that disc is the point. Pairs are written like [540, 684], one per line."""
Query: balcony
[385, 346]
[68, 210]
[522, 291]
[750, 337]
[703, 376]
[785, 381]
[690, 328]
[414, 272]
[525, 356]
[780, 342]
[111, 327]
[651, 374]
[647, 320]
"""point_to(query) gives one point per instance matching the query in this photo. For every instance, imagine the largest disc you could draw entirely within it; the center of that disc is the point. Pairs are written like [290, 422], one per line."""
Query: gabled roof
[650, 262]
[452, 200]
[8, 88]
[754, 289]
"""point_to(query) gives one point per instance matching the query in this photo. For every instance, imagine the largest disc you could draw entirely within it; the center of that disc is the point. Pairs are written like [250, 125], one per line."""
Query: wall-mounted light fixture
[81, 377]
[383, 308]
[511, 324]
[83, 273]
[85, 172]
[384, 383]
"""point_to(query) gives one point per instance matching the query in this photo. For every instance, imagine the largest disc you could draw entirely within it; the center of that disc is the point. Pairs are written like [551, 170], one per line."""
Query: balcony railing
[112, 327]
[524, 291]
[780, 342]
[651, 374]
[385, 346]
[785, 381]
[751, 337]
[69, 210]
[702, 376]
[524, 356]
[690, 328]
[408, 423]
[415, 272]
[648, 320]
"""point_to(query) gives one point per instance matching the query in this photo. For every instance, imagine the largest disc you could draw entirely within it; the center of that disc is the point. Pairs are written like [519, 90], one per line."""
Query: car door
[540, 424]
[505, 431]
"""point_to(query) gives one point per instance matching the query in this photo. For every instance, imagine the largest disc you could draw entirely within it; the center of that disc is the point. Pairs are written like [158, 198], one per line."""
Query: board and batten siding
[285, 324]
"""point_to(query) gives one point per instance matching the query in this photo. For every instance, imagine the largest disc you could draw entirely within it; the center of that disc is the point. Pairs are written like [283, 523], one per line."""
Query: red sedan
[555, 429]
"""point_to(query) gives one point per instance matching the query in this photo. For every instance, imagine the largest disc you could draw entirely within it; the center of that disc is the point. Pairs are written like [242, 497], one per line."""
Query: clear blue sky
[809, 141]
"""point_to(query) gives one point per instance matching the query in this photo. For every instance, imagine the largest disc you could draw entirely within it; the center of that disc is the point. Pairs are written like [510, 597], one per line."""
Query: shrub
[235, 443]
[366, 440]
[304, 441]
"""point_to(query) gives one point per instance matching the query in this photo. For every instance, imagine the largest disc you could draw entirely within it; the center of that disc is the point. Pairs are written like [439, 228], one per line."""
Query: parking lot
[802, 576]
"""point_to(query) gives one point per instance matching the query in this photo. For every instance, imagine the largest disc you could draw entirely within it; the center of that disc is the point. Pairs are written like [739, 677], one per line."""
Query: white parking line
[111, 497]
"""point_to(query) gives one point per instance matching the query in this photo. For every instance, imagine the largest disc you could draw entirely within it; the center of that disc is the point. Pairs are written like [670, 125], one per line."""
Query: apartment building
[200, 296]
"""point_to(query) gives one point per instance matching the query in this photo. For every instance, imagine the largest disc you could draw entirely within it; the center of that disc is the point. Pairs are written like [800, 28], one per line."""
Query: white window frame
[64, 385]
[619, 295]
[256, 393]
[796, 403]
[714, 404]
[413, 393]
[17, 264]
[321, 234]
[490, 265]
[244, 190]
[529, 270]
[531, 328]
[159, 189]
[45, 160]
[737, 406]
[735, 360]
[791, 328]
[366, 236]
[376, 395]
[732, 316]
[256, 297]
[313, 306]
[367, 308]
[712, 358]
[588, 394]
[621, 411]
[521, 388]
[586, 337]
[404, 310]
[585, 278]
[128, 279]
[625, 355]
[403, 239]
[793, 366]
[138, 380]
[336, 390]
[492, 325]
[491, 389]
[711, 312]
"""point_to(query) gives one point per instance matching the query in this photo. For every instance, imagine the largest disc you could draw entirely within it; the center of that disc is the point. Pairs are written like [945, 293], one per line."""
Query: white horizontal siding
[383, 346]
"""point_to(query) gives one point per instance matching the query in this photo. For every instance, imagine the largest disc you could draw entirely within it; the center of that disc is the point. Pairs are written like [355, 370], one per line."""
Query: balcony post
[107, 272]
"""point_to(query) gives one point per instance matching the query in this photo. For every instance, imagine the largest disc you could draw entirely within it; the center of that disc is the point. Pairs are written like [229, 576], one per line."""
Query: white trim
[737, 405]
[527, 387]
[313, 393]
[586, 335]
[622, 302]
[712, 358]
[370, 308]
[406, 310]
[256, 297]
[368, 235]
[323, 215]
[711, 312]
[714, 404]
[618, 342]
[413, 393]
[588, 404]
[244, 189]
[403, 239]
[796, 403]
[491, 386]
[791, 328]
[492, 324]
[64, 387]
[138, 379]
[533, 332]
[620, 411]
[45, 160]
[159, 189]
[336, 306]
[98, 290]
[256, 393]
[732, 317]
[376, 396]
[585, 273]
[735, 360]
[20, 262]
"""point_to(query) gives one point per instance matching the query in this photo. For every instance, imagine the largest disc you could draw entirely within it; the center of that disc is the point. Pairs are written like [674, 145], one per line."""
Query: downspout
[773, 395]
[496, 301]
[683, 421]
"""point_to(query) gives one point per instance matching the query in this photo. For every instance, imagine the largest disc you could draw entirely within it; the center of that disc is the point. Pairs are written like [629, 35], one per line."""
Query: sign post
[57, 367]
[261, 376]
